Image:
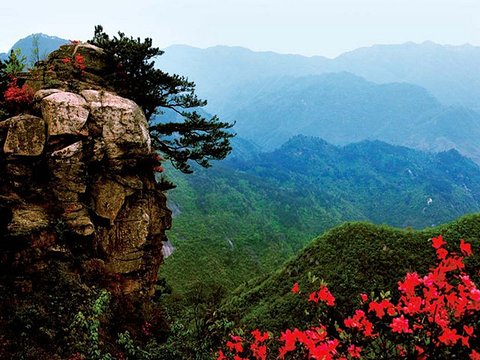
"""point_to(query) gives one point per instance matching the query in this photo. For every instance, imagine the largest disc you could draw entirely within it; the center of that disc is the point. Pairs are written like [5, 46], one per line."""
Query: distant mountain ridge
[46, 44]
[450, 73]
[343, 108]
[417, 95]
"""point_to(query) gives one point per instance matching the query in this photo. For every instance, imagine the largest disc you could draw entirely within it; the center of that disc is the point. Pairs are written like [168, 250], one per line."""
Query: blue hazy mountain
[46, 45]
[219, 70]
[418, 95]
[343, 108]
[450, 73]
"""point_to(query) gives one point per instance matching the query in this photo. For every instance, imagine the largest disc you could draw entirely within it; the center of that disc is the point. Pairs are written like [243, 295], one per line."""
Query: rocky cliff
[78, 193]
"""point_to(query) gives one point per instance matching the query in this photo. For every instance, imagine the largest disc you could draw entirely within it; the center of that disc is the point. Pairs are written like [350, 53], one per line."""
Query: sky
[307, 27]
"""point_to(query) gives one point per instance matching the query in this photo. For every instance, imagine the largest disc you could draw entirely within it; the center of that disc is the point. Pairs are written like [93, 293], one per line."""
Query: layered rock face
[77, 182]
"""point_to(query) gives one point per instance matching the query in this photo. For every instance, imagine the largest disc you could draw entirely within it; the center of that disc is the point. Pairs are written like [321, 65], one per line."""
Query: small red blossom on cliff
[18, 95]
[295, 288]
[79, 62]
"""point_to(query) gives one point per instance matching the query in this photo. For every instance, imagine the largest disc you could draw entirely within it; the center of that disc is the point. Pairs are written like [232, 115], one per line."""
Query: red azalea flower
[326, 296]
[475, 355]
[438, 242]
[468, 330]
[442, 253]
[259, 337]
[449, 336]
[465, 248]
[354, 351]
[295, 288]
[400, 325]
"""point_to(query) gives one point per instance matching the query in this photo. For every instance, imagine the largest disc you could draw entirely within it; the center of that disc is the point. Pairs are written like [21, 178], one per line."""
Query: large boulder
[65, 113]
[90, 175]
[123, 123]
[26, 136]
[27, 218]
[80, 207]
[109, 197]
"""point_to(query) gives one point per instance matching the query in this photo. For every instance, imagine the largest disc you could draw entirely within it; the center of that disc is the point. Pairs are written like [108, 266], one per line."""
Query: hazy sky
[309, 27]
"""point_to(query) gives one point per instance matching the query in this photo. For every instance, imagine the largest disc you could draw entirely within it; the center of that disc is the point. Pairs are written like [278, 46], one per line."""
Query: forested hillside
[250, 215]
[353, 258]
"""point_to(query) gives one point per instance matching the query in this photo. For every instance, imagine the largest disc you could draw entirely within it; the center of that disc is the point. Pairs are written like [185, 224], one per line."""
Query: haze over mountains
[418, 95]
[450, 73]
[342, 108]
[429, 106]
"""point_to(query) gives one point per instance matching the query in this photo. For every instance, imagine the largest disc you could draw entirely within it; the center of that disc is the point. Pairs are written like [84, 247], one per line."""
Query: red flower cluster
[78, 63]
[316, 340]
[435, 316]
[257, 348]
[18, 95]
[322, 295]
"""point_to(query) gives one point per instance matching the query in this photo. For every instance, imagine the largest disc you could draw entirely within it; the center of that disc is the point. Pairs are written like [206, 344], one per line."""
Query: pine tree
[16, 63]
[131, 72]
[4, 80]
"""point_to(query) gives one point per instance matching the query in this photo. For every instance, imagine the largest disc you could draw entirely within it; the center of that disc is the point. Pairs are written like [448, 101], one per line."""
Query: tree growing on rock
[4, 80]
[15, 63]
[9, 70]
[131, 72]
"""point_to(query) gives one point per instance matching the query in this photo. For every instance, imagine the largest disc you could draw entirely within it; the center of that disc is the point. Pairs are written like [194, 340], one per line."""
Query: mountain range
[343, 108]
[417, 95]
[449, 73]
[46, 44]
[251, 213]
[274, 193]
[242, 231]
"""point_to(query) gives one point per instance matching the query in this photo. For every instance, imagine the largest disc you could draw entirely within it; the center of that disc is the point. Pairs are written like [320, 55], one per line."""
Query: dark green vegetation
[249, 216]
[130, 71]
[353, 258]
